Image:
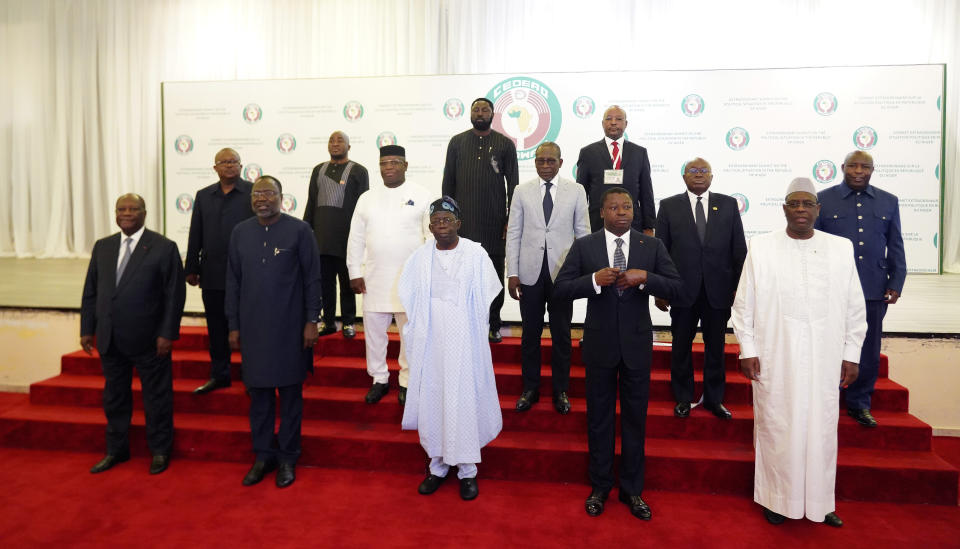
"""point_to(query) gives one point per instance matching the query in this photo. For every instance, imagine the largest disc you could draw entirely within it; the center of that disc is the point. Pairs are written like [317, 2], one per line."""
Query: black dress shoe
[402, 396]
[255, 474]
[109, 461]
[348, 331]
[682, 409]
[561, 403]
[863, 416]
[285, 475]
[430, 484]
[719, 410]
[638, 507]
[376, 392]
[527, 400]
[495, 336]
[831, 519]
[211, 385]
[469, 489]
[159, 464]
[773, 518]
[326, 329]
[595, 501]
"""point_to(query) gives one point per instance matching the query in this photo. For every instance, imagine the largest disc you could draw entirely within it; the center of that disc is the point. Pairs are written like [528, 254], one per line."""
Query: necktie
[126, 258]
[619, 261]
[547, 203]
[616, 156]
[701, 220]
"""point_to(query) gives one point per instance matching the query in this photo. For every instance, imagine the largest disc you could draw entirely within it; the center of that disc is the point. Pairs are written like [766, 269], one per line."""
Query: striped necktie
[619, 260]
[126, 258]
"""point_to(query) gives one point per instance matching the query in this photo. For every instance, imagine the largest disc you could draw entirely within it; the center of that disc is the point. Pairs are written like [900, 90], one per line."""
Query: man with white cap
[800, 318]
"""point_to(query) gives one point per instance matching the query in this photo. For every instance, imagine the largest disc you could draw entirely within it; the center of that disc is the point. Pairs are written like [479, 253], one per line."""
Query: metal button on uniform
[860, 257]
[859, 204]
[860, 230]
[834, 217]
[861, 243]
[263, 260]
[859, 217]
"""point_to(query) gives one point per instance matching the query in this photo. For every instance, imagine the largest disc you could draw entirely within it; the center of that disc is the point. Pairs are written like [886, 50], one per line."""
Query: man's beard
[481, 125]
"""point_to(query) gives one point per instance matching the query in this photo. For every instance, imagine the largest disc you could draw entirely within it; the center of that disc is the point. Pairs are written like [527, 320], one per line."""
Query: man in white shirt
[800, 318]
[388, 224]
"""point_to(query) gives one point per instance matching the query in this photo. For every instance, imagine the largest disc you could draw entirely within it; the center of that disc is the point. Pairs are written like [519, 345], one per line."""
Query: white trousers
[375, 325]
[464, 470]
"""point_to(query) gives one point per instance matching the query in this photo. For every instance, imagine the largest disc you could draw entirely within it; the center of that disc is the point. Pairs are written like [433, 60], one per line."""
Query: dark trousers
[683, 325]
[533, 299]
[156, 380]
[285, 447]
[332, 269]
[499, 262]
[218, 334]
[859, 393]
[601, 387]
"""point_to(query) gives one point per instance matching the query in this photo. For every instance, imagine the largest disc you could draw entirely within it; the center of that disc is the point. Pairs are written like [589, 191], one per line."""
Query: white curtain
[80, 90]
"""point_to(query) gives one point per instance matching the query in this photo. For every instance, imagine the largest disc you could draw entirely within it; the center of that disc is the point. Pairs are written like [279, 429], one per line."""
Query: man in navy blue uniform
[870, 218]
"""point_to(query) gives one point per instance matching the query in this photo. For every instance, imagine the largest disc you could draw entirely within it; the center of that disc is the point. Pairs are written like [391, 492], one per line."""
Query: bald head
[857, 170]
[227, 165]
[614, 122]
[339, 147]
[131, 212]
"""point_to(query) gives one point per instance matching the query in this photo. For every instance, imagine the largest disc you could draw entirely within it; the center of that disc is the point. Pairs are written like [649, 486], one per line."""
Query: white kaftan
[387, 226]
[452, 395]
[800, 310]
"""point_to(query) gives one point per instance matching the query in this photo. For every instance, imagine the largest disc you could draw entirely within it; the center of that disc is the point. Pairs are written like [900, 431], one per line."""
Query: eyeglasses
[228, 163]
[794, 204]
[695, 171]
[391, 163]
[264, 194]
[545, 161]
[441, 221]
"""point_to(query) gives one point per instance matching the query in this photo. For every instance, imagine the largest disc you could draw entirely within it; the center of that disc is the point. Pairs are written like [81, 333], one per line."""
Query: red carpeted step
[695, 465]
[896, 431]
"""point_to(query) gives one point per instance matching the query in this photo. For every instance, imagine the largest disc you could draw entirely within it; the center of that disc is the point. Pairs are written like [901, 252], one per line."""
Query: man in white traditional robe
[446, 288]
[388, 224]
[800, 318]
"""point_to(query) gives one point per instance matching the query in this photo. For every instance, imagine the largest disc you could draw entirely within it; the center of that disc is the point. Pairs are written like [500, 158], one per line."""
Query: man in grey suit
[546, 215]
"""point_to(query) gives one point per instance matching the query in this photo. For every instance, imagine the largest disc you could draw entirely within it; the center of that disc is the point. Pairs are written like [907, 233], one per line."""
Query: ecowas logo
[353, 111]
[286, 143]
[742, 203]
[252, 113]
[527, 111]
[183, 144]
[737, 138]
[453, 108]
[184, 203]
[288, 203]
[865, 138]
[584, 107]
[252, 172]
[825, 103]
[386, 138]
[824, 171]
[692, 105]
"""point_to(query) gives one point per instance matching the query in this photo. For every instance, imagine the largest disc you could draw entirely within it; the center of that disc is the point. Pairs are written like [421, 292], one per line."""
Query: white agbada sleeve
[357, 239]
[856, 324]
[744, 309]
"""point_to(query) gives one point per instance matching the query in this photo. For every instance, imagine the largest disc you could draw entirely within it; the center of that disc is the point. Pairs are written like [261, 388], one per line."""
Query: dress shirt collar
[620, 142]
[847, 190]
[693, 198]
[611, 239]
[135, 236]
[543, 183]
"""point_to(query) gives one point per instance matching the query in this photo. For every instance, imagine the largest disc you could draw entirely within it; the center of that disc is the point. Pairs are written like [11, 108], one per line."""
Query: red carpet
[50, 500]
[693, 457]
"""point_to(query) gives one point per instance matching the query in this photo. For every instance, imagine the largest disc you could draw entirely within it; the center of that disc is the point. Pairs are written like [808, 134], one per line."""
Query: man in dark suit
[617, 269]
[132, 302]
[613, 161]
[217, 208]
[704, 235]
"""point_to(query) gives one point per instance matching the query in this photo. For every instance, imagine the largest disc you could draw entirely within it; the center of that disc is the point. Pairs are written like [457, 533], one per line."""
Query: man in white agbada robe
[389, 222]
[800, 318]
[446, 288]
